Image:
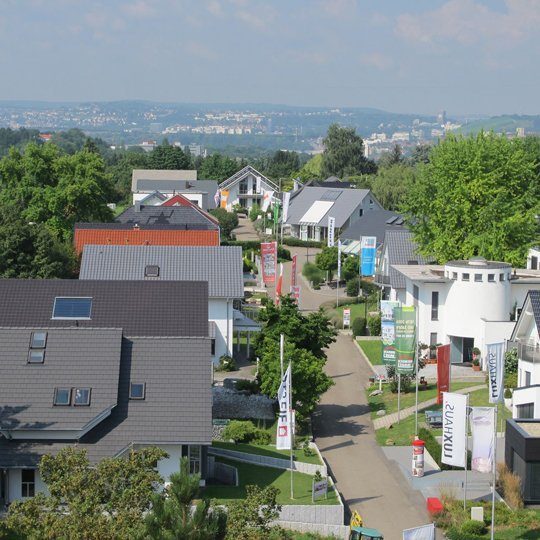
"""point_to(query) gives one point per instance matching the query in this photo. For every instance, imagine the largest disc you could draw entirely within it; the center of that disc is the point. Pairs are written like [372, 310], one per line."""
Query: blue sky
[465, 56]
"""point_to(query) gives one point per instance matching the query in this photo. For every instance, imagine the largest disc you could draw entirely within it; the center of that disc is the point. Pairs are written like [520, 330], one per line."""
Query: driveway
[343, 430]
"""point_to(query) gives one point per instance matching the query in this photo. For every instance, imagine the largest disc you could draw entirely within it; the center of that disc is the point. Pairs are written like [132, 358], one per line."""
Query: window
[454, 275]
[415, 294]
[432, 343]
[82, 396]
[194, 451]
[501, 277]
[213, 347]
[534, 263]
[72, 308]
[36, 357]
[361, 212]
[527, 378]
[466, 276]
[28, 482]
[477, 277]
[152, 270]
[38, 340]
[137, 390]
[491, 278]
[62, 396]
[435, 306]
[525, 411]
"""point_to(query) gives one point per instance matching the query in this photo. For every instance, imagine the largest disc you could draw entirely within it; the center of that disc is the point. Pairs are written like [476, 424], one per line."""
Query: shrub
[374, 325]
[254, 212]
[405, 384]
[290, 241]
[358, 326]
[226, 363]
[510, 485]
[243, 385]
[239, 431]
[314, 274]
[511, 361]
[507, 393]
[308, 451]
[248, 266]
[352, 287]
[261, 437]
[472, 526]
[511, 380]
[283, 254]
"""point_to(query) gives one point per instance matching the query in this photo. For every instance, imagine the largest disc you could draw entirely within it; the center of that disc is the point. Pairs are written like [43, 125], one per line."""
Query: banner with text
[443, 371]
[405, 318]
[339, 260]
[295, 293]
[267, 196]
[346, 318]
[269, 261]
[388, 332]
[482, 428]
[495, 367]
[454, 429]
[293, 271]
[286, 202]
[331, 227]
[284, 427]
[368, 245]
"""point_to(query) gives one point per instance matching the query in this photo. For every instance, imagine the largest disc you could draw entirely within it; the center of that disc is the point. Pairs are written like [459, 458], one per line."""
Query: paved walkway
[387, 420]
[245, 230]
[368, 481]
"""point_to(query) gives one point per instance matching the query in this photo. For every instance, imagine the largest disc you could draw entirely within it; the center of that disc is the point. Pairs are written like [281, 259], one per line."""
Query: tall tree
[228, 221]
[391, 185]
[392, 157]
[167, 157]
[218, 167]
[344, 153]
[420, 154]
[477, 196]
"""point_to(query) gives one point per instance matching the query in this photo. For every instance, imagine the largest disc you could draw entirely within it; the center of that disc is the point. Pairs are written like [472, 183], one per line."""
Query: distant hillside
[507, 123]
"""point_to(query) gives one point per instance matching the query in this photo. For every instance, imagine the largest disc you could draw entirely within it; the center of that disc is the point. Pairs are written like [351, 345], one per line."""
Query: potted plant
[508, 398]
[476, 364]
[475, 353]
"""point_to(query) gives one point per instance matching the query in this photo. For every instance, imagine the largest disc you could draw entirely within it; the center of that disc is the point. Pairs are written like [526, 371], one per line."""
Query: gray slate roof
[220, 266]
[166, 215]
[149, 308]
[401, 250]
[373, 224]
[534, 295]
[178, 186]
[344, 205]
[74, 358]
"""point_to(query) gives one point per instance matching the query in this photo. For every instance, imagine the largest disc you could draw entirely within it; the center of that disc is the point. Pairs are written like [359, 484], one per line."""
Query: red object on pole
[269, 261]
[293, 272]
[418, 458]
[443, 371]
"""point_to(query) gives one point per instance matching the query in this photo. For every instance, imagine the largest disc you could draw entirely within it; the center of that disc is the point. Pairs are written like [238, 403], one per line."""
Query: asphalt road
[344, 433]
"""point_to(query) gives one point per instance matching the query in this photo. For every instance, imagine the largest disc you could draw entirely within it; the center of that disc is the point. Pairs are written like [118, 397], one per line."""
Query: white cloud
[260, 16]
[214, 7]
[377, 60]
[141, 9]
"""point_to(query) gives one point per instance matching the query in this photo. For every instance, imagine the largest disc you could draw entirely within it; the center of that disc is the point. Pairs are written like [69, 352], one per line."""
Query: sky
[415, 56]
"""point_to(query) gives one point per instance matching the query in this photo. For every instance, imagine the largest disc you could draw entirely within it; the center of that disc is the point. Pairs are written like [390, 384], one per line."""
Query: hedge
[291, 241]
[358, 326]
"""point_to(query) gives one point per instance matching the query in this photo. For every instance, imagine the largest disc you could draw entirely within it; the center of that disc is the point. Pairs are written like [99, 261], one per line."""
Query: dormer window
[72, 308]
[82, 396]
[62, 396]
[151, 270]
[36, 356]
[38, 340]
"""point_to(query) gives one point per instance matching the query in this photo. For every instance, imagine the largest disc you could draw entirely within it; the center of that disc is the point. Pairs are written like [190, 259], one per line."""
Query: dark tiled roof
[374, 224]
[220, 266]
[74, 358]
[148, 308]
[144, 227]
[165, 215]
[535, 304]
[401, 250]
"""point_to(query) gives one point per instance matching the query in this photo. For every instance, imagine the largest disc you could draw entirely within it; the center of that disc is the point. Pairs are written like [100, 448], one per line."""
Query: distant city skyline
[463, 56]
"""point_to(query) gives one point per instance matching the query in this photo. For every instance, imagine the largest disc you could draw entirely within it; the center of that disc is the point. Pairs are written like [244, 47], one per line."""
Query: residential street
[344, 433]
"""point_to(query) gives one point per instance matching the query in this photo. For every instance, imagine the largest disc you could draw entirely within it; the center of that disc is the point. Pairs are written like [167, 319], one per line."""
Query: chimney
[137, 207]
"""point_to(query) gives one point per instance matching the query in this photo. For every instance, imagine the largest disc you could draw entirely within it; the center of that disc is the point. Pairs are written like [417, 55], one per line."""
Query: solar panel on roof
[399, 222]
[330, 195]
[72, 307]
[391, 220]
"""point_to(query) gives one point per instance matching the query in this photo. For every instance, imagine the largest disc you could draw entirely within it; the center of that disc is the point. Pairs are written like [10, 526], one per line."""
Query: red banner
[269, 261]
[293, 272]
[443, 371]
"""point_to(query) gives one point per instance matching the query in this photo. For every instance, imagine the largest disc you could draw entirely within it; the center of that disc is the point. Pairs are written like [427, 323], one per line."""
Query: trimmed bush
[261, 437]
[290, 241]
[358, 326]
[313, 273]
[472, 526]
[243, 385]
[352, 287]
[239, 431]
[226, 363]
[374, 325]
[255, 212]
[405, 386]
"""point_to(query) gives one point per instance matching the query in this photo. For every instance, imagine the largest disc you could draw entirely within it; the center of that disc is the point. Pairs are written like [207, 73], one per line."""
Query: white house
[466, 303]
[533, 258]
[245, 188]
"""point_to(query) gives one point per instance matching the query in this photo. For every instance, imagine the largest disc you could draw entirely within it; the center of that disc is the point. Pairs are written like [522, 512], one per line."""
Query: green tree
[477, 196]
[167, 157]
[218, 167]
[344, 153]
[95, 502]
[391, 185]
[420, 154]
[392, 157]
[228, 221]
[281, 164]
[172, 518]
[311, 170]
[350, 267]
[121, 169]
[326, 260]
[69, 141]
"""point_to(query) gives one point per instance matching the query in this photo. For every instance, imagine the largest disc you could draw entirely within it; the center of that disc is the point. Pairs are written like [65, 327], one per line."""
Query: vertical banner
[286, 202]
[224, 198]
[388, 332]
[495, 367]
[283, 436]
[295, 293]
[405, 320]
[424, 532]
[266, 199]
[269, 261]
[276, 213]
[368, 247]
[293, 271]
[339, 260]
[279, 285]
[443, 371]
[346, 317]
[217, 198]
[258, 185]
[331, 227]
[482, 428]
[454, 429]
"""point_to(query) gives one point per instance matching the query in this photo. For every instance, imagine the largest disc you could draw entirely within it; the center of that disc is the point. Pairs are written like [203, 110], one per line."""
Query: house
[467, 304]
[106, 366]
[310, 208]
[152, 225]
[221, 267]
[169, 183]
[245, 188]
[398, 248]
[525, 338]
[533, 258]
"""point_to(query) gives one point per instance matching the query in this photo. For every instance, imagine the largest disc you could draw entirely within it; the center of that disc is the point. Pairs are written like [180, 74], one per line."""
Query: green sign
[405, 321]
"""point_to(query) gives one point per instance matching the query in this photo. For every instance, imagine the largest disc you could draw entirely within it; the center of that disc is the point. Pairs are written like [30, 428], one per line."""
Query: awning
[316, 212]
[351, 247]
[243, 323]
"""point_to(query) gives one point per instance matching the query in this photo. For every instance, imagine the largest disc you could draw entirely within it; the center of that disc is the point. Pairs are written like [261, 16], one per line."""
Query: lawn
[403, 433]
[269, 451]
[264, 476]
[372, 349]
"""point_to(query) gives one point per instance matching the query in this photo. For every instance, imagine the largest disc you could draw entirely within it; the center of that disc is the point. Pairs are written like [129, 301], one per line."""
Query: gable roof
[338, 203]
[187, 216]
[154, 195]
[243, 173]
[530, 305]
[154, 177]
[221, 266]
[149, 308]
[374, 224]
[401, 249]
[181, 200]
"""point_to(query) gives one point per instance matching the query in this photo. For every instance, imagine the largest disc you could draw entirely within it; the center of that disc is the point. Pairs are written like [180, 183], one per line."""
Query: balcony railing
[382, 279]
[528, 352]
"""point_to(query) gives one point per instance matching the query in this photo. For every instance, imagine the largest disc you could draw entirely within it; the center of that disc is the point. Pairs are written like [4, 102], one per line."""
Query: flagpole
[466, 453]
[281, 347]
[291, 426]
[494, 476]
[398, 395]
[417, 376]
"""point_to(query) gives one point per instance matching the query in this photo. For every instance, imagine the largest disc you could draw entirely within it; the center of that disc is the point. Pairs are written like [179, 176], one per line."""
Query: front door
[468, 345]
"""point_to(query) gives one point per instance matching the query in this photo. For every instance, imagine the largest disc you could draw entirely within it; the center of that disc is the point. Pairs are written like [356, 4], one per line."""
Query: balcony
[382, 279]
[528, 352]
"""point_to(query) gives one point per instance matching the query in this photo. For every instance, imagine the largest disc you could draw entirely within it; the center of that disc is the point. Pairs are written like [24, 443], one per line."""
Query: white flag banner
[258, 185]
[482, 428]
[284, 427]
[331, 227]
[266, 199]
[454, 429]
[495, 367]
[286, 201]
[424, 532]
[339, 260]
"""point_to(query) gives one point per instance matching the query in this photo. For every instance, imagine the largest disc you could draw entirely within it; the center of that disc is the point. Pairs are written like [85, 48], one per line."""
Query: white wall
[217, 313]
[170, 464]
[14, 484]
[526, 395]
[197, 198]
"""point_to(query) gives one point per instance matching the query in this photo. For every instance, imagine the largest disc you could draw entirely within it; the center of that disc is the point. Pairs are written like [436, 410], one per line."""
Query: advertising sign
[482, 428]
[284, 431]
[295, 293]
[286, 201]
[293, 271]
[339, 260]
[224, 198]
[388, 332]
[266, 199]
[454, 429]
[331, 227]
[418, 447]
[495, 367]
[368, 247]
[319, 489]
[269, 261]
[405, 320]
[346, 317]
[276, 213]
[443, 371]
[258, 185]
[424, 532]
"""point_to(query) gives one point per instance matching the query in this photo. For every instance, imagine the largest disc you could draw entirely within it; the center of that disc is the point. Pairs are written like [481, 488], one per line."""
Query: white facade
[533, 259]
[198, 198]
[244, 189]
[220, 312]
